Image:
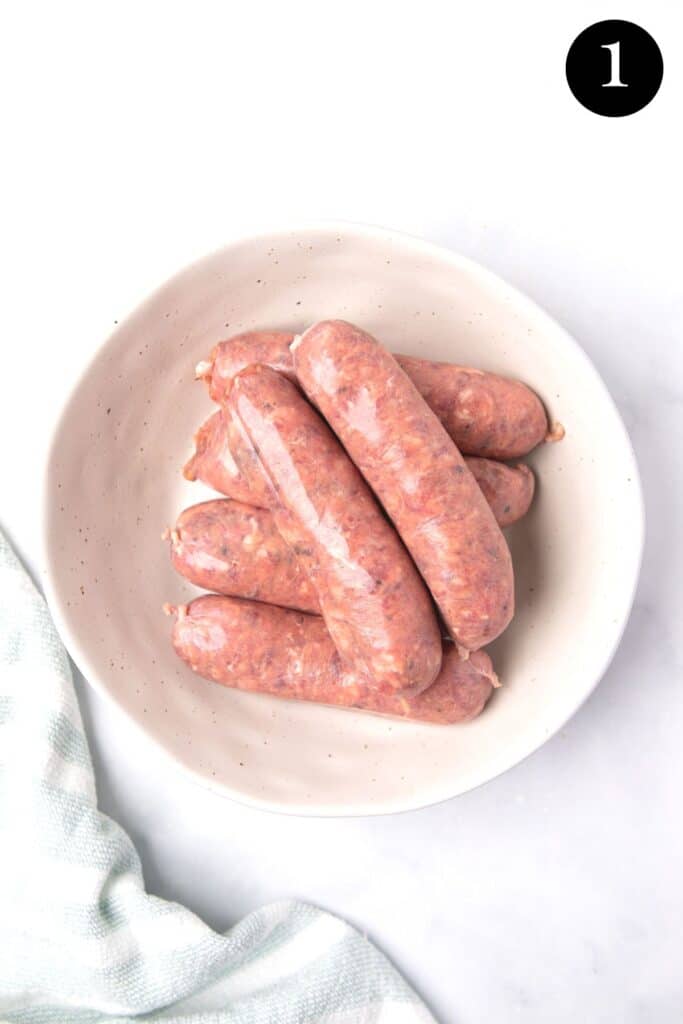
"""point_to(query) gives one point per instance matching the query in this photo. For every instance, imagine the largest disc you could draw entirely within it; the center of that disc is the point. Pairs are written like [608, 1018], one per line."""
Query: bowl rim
[78, 652]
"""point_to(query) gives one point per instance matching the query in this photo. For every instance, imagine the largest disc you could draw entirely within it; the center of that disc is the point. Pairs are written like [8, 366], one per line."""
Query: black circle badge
[614, 68]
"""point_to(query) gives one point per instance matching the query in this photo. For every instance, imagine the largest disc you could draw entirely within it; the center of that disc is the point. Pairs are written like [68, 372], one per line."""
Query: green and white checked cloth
[80, 939]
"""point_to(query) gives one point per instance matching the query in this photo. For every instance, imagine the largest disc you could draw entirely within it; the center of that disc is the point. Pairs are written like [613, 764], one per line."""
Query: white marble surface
[143, 135]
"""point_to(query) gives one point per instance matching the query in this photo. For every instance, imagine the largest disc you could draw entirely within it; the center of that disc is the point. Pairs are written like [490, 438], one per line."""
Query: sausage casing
[417, 473]
[375, 606]
[231, 548]
[263, 649]
[484, 413]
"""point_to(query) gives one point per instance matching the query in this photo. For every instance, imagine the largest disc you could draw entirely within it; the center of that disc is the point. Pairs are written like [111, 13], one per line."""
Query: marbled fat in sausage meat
[417, 473]
[484, 413]
[374, 603]
[264, 649]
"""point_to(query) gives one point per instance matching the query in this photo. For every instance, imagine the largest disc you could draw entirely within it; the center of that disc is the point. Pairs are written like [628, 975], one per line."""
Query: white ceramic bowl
[114, 483]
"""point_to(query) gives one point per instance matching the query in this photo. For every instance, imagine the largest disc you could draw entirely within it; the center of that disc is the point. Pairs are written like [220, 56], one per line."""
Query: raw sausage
[269, 348]
[257, 647]
[232, 548]
[508, 489]
[374, 603]
[263, 649]
[485, 414]
[417, 473]
[214, 463]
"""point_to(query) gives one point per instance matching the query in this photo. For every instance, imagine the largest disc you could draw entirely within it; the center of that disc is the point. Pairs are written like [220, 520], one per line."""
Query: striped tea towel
[81, 940]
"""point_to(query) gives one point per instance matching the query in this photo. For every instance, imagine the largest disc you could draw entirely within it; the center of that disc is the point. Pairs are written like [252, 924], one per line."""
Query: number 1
[615, 68]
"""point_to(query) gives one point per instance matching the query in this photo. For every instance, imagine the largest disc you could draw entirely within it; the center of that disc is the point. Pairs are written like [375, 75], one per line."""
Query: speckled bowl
[113, 483]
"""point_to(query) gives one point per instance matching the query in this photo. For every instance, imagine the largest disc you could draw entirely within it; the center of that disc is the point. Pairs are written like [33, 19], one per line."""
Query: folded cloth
[81, 940]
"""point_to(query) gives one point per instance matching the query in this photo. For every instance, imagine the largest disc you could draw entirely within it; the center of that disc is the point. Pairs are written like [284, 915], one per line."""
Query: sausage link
[374, 603]
[215, 464]
[485, 414]
[263, 649]
[508, 489]
[416, 472]
[228, 358]
[235, 549]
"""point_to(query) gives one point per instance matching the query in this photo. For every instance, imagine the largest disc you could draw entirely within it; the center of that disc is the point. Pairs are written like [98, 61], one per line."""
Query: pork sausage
[417, 473]
[215, 464]
[264, 649]
[509, 490]
[221, 451]
[269, 348]
[375, 606]
[231, 548]
[485, 414]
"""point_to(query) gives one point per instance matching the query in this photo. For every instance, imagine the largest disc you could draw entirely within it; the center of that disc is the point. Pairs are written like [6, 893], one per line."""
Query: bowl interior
[114, 483]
